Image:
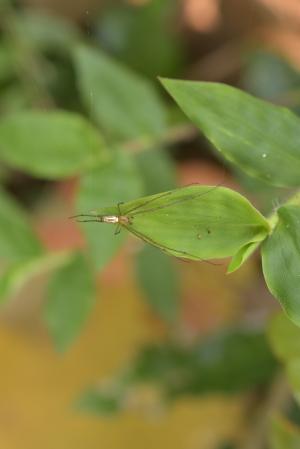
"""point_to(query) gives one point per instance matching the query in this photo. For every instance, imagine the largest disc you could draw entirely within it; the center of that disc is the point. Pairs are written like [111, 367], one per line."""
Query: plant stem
[173, 135]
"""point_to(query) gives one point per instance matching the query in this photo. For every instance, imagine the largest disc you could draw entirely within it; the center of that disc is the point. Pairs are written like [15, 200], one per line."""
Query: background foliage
[85, 124]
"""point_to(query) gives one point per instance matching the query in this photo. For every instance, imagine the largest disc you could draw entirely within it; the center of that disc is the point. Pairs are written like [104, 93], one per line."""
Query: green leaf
[284, 435]
[196, 222]
[284, 337]
[157, 170]
[17, 240]
[260, 138]
[16, 276]
[158, 279]
[50, 144]
[123, 104]
[281, 261]
[112, 183]
[260, 67]
[71, 295]
[241, 256]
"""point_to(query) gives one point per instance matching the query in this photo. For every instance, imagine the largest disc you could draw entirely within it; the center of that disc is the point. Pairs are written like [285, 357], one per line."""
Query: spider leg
[119, 207]
[183, 255]
[118, 229]
[149, 201]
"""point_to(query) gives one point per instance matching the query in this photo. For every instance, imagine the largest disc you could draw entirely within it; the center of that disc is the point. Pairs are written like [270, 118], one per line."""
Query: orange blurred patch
[289, 9]
[202, 15]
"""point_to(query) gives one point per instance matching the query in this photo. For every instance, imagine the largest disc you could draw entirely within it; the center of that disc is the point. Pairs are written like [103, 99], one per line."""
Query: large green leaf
[17, 240]
[281, 261]
[112, 183]
[49, 144]
[123, 104]
[195, 222]
[71, 295]
[260, 138]
[156, 274]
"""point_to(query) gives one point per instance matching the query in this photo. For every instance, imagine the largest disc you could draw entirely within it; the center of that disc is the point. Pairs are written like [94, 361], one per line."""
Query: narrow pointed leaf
[241, 256]
[259, 137]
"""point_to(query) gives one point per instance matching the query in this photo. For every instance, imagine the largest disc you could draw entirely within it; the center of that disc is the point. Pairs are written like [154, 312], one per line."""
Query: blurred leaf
[260, 138]
[158, 279]
[157, 170]
[50, 144]
[230, 362]
[15, 277]
[281, 261]
[196, 222]
[227, 446]
[71, 295]
[14, 98]
[45, 31]
[17, 240]
[6, 62]
[107, 185]
[123, 104]
[284, 435]
[127, 30]
[293, 374]
[284, 337]
[101, 402]
[262, 66]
